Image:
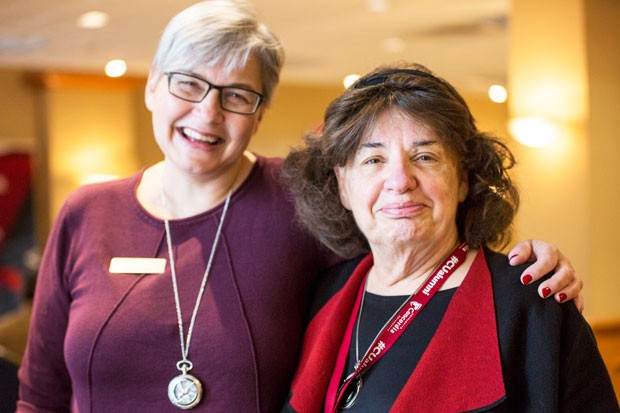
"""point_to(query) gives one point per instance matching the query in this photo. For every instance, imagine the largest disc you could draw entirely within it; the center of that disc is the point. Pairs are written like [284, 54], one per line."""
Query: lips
[404, 209]
[195, 136]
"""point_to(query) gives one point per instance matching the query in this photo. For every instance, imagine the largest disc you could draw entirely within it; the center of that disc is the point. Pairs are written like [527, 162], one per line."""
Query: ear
[463, 187]
[149, 90]
[340, 173]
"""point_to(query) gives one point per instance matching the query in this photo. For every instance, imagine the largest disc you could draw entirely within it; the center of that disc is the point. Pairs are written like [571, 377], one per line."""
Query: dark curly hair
[486, 215]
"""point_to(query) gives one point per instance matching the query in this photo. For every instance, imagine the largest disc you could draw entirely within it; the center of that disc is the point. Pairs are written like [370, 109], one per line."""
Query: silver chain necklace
[354, 392]
[185, 391]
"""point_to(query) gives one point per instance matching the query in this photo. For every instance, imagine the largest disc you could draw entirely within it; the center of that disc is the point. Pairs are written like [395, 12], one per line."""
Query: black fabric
[8, 386]
[549, 355]
[384, 380]
[330, 282]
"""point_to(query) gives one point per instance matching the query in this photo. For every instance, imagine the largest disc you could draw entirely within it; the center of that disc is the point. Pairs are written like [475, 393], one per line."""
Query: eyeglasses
[194, 89]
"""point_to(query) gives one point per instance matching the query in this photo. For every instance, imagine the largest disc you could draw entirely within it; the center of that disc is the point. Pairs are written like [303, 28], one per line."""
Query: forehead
[393, 126]
[249, 75]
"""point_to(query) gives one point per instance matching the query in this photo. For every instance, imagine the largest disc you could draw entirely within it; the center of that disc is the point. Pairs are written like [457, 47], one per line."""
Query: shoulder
[332, 280]
[103, 191]
[264, 178]
[506, 278]
[99, 199]
[501, 270]
[551, 343]
[514, 300]
[271, 166]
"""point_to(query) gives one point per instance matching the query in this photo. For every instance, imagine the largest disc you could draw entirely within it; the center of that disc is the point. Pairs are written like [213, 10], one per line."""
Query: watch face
[185, 391]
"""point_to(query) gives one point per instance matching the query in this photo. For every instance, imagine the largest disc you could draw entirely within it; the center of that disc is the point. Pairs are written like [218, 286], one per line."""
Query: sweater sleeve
[45, 385]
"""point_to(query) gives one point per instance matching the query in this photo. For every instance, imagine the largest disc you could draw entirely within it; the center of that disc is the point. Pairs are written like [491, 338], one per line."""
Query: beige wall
[89, 134]
[296, 110]
[564, 65]
[603, 190]
[18, 108]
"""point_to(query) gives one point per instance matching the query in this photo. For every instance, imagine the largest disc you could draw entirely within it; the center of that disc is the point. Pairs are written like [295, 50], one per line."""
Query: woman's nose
[210, 106]
[400, 177]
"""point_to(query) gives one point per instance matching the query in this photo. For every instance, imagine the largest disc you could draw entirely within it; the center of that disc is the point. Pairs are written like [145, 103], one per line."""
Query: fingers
[571, 292]
[564, 284]
[564, 281]
[520, 253]
[547, 259]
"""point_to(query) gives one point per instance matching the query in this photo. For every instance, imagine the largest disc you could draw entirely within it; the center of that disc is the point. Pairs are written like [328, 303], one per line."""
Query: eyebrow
[416, 144]
[243, 86]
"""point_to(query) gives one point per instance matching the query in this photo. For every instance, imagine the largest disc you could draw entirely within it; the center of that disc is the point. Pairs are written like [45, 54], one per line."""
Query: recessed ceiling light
[498, 93]
[93, 20]
[349, 80]
[377, 5]
[115, 68]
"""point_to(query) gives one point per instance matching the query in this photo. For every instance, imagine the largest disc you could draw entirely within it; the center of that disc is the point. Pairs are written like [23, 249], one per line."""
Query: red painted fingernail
[562, 297]
[546, 291]
[526, 279]
[512, 256]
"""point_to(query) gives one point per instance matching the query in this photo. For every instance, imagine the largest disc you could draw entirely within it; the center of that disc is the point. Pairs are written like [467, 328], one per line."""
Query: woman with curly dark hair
[428, 318]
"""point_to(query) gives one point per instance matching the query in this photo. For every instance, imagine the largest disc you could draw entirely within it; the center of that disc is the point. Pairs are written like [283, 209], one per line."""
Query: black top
[548, 353]
[383, 382]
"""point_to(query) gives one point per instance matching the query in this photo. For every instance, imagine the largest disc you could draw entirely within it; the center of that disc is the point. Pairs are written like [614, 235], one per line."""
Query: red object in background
[14, 190]
[11, 280]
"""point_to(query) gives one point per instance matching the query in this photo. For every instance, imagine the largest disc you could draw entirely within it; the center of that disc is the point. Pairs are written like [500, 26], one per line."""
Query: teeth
[195, 136]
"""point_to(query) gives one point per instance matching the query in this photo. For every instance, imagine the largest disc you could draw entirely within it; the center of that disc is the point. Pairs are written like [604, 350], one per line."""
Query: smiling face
[202, 138]
[402, 185]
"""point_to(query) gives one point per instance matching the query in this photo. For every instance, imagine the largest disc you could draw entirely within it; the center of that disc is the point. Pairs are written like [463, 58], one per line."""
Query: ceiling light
[498, 93]
[93, 20]
[349, 80]
[377, 5]
[115, 68]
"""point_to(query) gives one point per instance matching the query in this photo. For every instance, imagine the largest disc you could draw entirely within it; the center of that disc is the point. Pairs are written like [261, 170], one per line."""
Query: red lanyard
[398, 323]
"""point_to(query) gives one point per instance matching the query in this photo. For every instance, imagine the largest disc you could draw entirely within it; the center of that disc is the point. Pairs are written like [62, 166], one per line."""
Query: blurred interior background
[64, 122]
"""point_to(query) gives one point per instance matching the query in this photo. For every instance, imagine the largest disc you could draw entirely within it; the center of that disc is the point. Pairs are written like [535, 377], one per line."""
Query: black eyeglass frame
[210, 86]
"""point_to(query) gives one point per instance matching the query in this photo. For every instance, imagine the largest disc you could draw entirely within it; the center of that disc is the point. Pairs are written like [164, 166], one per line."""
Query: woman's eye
[236, 96]
[189, 85]
[424, 158]
[372, 161]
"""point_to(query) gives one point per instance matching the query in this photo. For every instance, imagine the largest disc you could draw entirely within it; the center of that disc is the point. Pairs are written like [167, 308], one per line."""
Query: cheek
[158, 109]
[240, 129]
[364, 194]
[445, 192]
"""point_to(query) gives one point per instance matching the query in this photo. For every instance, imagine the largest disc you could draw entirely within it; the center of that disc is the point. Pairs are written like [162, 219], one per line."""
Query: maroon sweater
[106, 342]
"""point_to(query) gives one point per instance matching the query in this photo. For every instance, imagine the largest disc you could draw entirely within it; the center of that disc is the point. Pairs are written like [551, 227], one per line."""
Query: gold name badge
[133, 265]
